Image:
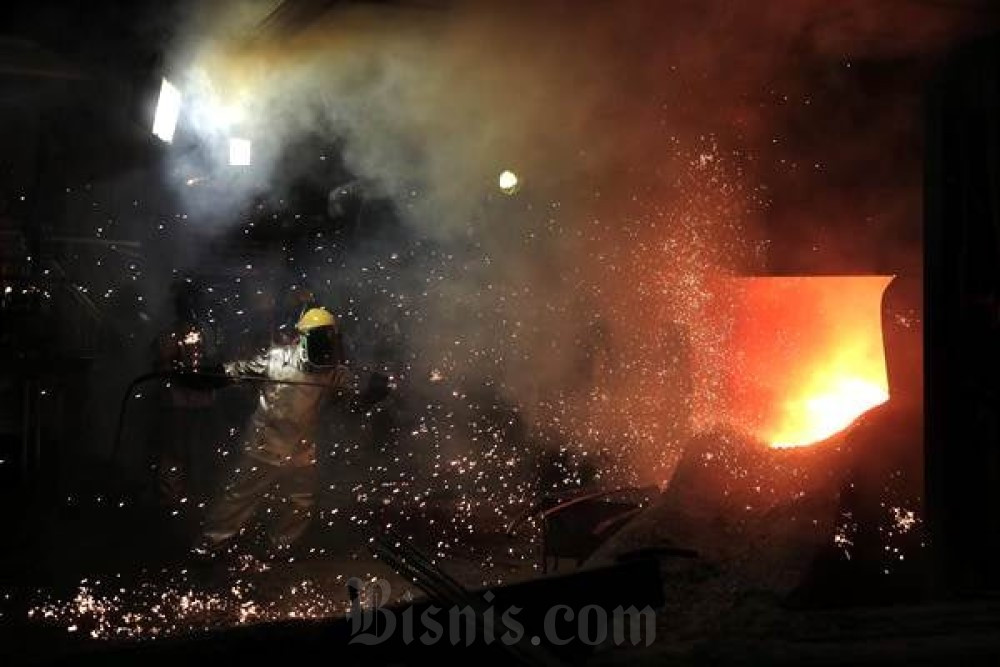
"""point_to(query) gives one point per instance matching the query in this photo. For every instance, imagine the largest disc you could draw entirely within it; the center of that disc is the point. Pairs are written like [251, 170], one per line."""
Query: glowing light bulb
[168, 109]
[239, 151]
[508, 181]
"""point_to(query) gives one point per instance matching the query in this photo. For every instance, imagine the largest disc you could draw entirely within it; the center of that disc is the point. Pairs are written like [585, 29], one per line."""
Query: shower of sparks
[844, 535]
[173, 604]
[904, 520]
[484, 433]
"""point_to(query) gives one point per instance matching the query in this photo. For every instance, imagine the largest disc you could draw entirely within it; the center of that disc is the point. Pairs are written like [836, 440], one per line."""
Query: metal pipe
[146, 377]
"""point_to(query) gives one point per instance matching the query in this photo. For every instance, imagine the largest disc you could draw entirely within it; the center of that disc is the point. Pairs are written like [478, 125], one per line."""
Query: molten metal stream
[809, 355]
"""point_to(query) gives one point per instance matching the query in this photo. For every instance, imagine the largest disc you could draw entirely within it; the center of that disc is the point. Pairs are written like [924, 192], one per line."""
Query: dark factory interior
[535, 332]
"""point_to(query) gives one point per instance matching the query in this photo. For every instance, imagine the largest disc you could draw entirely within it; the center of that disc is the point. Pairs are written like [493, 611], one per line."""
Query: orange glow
[808, 355]
[827, 405]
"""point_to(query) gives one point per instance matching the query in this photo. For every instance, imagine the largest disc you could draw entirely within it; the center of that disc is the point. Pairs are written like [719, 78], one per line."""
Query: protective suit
[279, 456]
[285, 419]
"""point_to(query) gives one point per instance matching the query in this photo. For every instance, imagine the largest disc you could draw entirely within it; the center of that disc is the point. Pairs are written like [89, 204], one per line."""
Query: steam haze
[658, 145]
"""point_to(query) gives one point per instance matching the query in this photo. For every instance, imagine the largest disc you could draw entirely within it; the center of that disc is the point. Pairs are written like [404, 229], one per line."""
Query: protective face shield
[321, 346]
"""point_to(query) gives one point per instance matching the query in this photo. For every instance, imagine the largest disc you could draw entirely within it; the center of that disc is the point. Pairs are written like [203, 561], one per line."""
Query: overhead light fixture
[239, 151]
[508, 181]
[168, 109]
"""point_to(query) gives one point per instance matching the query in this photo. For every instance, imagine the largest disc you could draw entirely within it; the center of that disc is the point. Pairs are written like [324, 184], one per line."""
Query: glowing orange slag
[835, 398]
[810, 355]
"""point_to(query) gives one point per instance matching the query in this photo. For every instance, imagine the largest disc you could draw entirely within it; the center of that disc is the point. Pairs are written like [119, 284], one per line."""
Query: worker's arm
[375, 391]
[341, 384]
[255, 367]
[163, 354]
[378, 389]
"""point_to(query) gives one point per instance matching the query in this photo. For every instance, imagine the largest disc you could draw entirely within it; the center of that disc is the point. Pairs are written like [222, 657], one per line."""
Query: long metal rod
[538, 509]
[409, 561]
[86, 240]
[146, 377]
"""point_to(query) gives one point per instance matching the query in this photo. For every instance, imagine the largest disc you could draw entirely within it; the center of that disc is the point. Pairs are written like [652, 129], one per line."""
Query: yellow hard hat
[315, 318]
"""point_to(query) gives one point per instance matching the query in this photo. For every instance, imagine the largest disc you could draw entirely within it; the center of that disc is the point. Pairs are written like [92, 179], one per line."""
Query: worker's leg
[240, 500]
[297, 494]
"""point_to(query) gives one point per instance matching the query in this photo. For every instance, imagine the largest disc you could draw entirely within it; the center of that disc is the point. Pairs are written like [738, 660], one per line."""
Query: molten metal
[809, 355]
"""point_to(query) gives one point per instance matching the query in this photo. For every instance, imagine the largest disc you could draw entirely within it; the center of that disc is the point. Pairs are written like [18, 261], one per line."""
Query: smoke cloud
[659, 146]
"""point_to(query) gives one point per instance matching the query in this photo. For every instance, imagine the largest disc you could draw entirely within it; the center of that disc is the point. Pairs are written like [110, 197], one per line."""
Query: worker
[187, 413]
[299, 376]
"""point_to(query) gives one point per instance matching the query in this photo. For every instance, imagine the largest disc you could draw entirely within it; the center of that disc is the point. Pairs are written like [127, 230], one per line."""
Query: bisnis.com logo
[372, 623]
